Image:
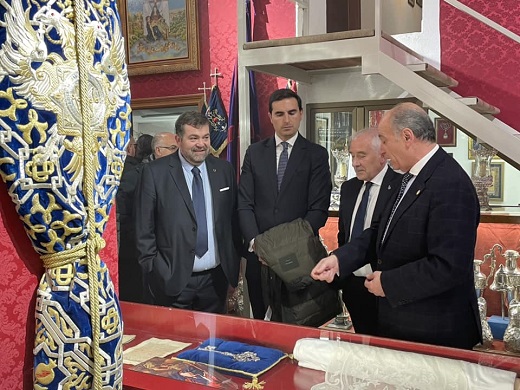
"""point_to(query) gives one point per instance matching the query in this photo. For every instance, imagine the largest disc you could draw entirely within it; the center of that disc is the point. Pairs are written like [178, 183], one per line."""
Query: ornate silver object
[343, 320]
[513, 276]
[247, 356]
[512, 333]
[342, 158]
[481, 175]
[500, 284]
[487, 336]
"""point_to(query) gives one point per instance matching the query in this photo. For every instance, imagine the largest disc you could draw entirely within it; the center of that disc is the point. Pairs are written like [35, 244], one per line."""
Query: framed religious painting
[472, 144]
[445, 132]
[160, 35]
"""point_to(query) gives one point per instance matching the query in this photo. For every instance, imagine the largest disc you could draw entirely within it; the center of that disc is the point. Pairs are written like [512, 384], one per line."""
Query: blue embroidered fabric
[234, 357]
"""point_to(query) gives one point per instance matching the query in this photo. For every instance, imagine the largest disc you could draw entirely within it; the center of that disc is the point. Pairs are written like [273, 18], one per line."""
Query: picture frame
[445, 132]
[411, 3]
[471, 147]
[496, 190]
[375, 116]
[160, 35]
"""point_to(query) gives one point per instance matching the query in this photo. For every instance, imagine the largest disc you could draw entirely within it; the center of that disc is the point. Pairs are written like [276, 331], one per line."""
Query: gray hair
[371, 132]
[413, 117]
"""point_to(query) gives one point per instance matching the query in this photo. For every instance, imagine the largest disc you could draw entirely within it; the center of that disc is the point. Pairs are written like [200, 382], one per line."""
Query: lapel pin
[214, 170]
[389, 187]
[418, 192]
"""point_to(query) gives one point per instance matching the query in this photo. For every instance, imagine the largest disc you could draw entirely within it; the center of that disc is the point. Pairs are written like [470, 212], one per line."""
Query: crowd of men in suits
[406, 238]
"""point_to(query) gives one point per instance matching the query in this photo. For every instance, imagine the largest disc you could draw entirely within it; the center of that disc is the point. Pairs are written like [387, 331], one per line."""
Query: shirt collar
[378, 179]
[419, 165]
[290, 141]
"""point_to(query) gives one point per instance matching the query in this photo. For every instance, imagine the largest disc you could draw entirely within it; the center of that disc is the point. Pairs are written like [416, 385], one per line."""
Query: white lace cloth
[354, 366]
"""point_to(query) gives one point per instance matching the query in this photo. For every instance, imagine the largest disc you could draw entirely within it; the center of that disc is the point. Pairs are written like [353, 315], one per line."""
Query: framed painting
[496, 190]
[160, 35]
[471, 150]
[445, 132]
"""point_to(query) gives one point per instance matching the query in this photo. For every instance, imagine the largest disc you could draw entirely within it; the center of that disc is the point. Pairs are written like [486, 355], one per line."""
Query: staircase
[372, 52]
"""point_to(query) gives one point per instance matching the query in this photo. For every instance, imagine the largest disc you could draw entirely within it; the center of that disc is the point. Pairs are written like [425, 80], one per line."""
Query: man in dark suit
[283, 178]
[424, 243]
[362, 201]
[187, 230]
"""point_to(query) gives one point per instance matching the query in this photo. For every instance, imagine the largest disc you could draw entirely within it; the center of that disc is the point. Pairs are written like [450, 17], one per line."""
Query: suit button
[379, 261]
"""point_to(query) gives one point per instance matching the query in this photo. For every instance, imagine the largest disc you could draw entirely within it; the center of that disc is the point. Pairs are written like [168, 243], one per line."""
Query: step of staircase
[433, 75]
[479, 105]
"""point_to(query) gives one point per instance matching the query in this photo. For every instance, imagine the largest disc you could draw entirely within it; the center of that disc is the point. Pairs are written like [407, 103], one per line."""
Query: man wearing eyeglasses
[163, 144]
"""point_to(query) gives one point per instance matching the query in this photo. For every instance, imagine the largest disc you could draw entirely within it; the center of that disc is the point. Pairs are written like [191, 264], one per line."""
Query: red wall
[484, 61]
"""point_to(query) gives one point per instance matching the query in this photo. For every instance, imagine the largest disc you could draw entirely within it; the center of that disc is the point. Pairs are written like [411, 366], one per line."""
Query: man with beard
[186, 223]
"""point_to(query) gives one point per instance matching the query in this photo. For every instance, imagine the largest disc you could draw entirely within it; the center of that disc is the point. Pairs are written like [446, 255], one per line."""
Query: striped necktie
[282, 164]
[406, 178]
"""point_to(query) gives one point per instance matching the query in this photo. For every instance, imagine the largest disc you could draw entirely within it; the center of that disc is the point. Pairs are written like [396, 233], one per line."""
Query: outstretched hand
[326, 269]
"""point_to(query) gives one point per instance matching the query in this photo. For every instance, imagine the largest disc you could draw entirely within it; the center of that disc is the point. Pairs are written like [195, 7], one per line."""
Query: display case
[187, 326]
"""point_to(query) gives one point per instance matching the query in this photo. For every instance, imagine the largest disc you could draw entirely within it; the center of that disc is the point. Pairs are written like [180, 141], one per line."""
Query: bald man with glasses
[164, 144]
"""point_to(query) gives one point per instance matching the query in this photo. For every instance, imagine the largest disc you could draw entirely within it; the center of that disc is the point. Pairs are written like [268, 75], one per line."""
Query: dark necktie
[199, 203]
[406, 178]
[282, 164]
[359, 220]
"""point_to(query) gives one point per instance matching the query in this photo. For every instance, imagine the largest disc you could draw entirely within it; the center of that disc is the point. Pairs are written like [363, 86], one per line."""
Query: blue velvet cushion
[234, 357]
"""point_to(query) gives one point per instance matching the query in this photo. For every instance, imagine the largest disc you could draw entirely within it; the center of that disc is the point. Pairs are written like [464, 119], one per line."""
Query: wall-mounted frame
[157, 114]
[445, 132]
[471, 148]
[160, 35]
[496, 190]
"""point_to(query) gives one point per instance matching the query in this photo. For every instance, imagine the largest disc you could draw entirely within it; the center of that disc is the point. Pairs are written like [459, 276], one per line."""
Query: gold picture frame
[471, 147]
[496, 190]
[160, 35]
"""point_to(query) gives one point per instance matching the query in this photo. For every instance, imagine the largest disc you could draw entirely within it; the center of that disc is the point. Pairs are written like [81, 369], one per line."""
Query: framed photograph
[160, 35]
[411, 2]
[445, 132]
[496, 191]
[471, 150]
[374, 117]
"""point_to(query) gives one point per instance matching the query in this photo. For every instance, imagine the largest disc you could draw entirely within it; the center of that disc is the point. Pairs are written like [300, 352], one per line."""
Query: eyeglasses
[171, 148]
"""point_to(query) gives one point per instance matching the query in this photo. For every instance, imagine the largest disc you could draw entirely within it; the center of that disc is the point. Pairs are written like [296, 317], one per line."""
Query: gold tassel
[254, 384]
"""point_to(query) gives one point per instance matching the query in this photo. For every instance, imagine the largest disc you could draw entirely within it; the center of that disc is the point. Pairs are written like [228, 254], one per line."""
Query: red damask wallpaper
[484, 61]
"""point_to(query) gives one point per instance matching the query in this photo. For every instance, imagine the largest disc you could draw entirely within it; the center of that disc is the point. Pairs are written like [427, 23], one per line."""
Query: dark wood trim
[196, 99]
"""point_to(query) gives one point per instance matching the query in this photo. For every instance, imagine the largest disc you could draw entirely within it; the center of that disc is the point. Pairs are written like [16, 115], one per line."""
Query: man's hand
[373, 284]
[326, 269]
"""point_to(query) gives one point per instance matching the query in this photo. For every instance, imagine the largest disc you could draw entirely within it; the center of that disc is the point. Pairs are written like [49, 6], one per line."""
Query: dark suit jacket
[167, 228]
[361, 304]
[426, 259]
[305, 190]
[349, 193]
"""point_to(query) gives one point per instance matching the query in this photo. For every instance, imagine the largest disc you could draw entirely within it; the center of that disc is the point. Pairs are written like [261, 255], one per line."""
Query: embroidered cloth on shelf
[234, 357]
[356, 366]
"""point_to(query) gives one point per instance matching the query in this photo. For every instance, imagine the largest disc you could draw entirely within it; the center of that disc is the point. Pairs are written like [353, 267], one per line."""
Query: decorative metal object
[500, 284]
[343, 320]
[487, 336]
[342, 157]
[513, 276]
[512, 332]
[481, 176]
[481, 282]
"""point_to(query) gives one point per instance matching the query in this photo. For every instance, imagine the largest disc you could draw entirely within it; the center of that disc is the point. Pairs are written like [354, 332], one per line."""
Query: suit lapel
[415, 190]
[177, 175]
[270, 169]
[214, 179]
[297, 153]
[349, 205]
